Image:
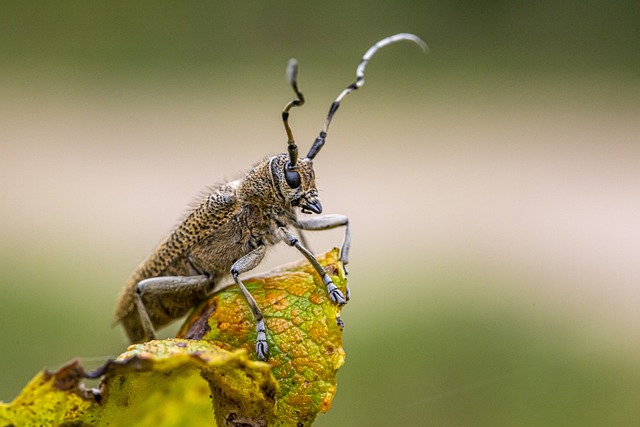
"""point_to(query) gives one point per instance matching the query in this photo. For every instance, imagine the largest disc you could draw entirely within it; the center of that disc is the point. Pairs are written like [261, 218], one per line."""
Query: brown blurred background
[492, 185]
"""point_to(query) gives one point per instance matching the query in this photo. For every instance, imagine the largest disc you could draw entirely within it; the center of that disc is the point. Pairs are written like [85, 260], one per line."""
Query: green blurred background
[492, 185]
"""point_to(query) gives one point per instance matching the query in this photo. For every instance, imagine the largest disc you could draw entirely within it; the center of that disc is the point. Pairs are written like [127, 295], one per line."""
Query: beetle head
[296, 184]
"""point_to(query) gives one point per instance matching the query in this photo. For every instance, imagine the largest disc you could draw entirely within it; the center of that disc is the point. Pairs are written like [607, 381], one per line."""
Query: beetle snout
[312, 205]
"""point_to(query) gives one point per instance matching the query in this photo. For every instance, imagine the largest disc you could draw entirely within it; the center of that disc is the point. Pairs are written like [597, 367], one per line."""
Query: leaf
[304, 335]
[176, 382]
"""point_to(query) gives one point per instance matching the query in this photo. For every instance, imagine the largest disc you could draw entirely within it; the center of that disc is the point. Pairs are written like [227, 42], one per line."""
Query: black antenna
[320, 140]
[292, 76]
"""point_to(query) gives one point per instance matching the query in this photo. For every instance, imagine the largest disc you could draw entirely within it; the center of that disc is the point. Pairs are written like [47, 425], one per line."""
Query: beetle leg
[244, 264]
[303, 239]
[327, 222]
[335, 294]
[145, 321]
[166, 296]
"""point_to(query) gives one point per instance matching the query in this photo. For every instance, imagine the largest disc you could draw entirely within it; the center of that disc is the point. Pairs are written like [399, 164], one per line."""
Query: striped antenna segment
[320, 140]
[292, 76]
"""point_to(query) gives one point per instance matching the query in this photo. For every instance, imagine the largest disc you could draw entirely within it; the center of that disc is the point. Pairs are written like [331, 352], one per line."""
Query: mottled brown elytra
[229, 230]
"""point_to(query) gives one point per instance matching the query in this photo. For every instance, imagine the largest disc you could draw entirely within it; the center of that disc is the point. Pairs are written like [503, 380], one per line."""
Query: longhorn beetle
[229, 230]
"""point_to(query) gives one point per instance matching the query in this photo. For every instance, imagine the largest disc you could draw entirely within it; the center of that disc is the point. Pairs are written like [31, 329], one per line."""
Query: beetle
[229, 230]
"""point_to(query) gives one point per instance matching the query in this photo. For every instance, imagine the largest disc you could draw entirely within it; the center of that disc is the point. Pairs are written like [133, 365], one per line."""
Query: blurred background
[492, 185]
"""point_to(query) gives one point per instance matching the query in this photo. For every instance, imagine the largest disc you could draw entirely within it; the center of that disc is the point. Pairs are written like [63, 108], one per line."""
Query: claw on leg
[335, 294]
[262, 348]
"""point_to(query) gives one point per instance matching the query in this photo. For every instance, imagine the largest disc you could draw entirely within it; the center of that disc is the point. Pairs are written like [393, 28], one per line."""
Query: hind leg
[158, 300]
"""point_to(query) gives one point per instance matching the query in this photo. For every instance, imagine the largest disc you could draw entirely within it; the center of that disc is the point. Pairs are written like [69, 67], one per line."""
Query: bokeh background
[492, 185]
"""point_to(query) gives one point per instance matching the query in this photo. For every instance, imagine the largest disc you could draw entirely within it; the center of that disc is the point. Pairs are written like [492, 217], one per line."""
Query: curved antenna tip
[320, 140]
[292, 70]
[405, 36]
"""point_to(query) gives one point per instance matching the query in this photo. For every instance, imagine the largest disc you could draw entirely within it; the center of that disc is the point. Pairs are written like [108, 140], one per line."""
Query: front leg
[335, 294]
[327, 222]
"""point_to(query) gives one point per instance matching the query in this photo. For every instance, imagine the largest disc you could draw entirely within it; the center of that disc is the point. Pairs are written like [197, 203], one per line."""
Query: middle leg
[244, 264]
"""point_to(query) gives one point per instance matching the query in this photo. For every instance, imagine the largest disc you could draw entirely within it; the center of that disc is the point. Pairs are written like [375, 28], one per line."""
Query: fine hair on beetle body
[230, 228]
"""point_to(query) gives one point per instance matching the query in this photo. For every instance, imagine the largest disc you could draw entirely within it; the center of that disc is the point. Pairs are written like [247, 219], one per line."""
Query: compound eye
[292, 177]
